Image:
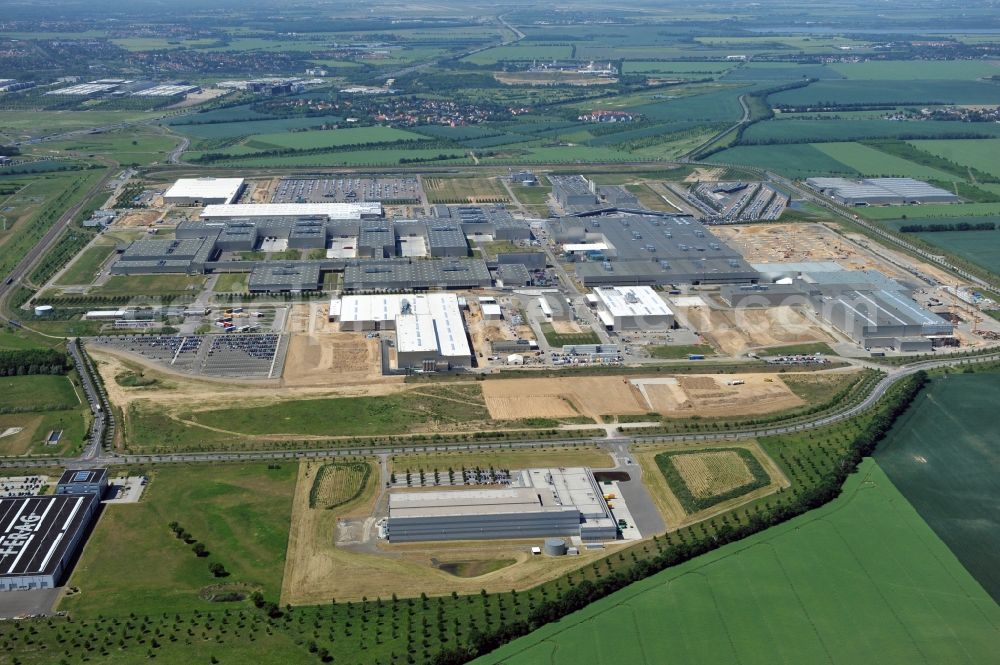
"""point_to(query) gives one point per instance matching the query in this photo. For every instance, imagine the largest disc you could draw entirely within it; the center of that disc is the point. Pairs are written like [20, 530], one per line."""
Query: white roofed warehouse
[632, 308]
[430, 330]
[203, 191]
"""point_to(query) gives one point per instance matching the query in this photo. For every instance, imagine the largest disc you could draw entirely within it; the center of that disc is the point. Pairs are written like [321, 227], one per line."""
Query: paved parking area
[24, 604]
[125, 489]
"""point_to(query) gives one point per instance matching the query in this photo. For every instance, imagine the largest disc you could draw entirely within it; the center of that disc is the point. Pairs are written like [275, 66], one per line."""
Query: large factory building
[430, 331]
[204, 191]
[41, 535]
[632, 308]
[539, 502]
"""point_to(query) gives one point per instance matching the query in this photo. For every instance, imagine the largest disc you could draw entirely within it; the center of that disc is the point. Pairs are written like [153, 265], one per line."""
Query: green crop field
[936, 455]
[134, 563]
[829, 586]
[980, 247]
[977, 153]
[918, 70]
[794, 128]
[794, 161]
[384, 157]
[871, 162]
[892, 92]
[940, 211]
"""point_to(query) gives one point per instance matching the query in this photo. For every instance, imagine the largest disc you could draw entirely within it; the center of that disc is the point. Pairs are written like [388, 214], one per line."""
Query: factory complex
[632, 308]
[536, 503]
[40, 536]
[870, 308]
[880, 191]
[430, 332]
[203, 191]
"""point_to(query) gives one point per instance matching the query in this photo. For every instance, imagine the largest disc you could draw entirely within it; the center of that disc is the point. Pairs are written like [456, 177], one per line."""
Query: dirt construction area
[680, 396]
[796, 243]
[138, 218]
[319, 354]
[735, 331]
[716, 395]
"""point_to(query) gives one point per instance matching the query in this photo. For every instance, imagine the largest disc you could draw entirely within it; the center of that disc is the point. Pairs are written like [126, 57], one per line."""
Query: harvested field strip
[338, 483]
[702, 480]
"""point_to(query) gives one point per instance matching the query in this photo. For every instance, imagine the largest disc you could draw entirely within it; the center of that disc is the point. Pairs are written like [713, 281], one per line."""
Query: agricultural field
[794, 161]
[682, 68]
[939, 211]
[864, 569]
[803, 128]
[517, 52]
[892, 92]
[978, 153]
[868, 161]
[240, 513]
[936, 455]
[213, 125]
[903, 70]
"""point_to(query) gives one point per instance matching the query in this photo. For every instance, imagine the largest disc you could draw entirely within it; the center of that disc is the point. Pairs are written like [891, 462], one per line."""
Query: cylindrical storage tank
[555, 547]
[43, 310]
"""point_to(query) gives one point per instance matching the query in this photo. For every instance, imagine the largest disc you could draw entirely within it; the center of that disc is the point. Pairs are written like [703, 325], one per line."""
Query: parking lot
[346, 190]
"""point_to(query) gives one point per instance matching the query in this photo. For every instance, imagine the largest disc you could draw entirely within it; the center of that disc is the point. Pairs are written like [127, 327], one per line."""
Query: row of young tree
[941, 228]
[586, 592]
[33, 361]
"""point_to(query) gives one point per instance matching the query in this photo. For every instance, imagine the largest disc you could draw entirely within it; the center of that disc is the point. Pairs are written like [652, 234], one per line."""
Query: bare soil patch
[716, 395]
[736, 331]
[703, 175]
[591, 396]
[138, 218]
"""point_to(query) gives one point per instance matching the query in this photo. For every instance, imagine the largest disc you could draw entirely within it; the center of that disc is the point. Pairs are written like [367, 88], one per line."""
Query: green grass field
[134, 563]
[27, 392]
[150, 426]
[127, 146]
[86, 265]
[150, 285]
[936, 455]
[562, 339]
[863, 573]
[330, 138]
[676, 352]
[978, 153]
[517, 52]
[232, 282]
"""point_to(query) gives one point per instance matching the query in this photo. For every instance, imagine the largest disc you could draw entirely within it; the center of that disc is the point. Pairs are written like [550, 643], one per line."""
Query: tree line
[33, 361]
[940, 228]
